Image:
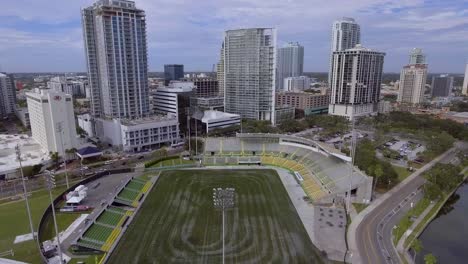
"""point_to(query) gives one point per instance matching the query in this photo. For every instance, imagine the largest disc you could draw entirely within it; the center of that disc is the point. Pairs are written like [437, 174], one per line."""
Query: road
[373, 234]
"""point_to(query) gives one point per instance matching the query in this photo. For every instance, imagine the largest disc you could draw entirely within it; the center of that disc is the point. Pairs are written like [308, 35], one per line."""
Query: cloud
[190, 32]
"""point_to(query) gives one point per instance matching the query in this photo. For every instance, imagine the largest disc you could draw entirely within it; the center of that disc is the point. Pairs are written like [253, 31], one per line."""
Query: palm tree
[417, 247]
[430, 259]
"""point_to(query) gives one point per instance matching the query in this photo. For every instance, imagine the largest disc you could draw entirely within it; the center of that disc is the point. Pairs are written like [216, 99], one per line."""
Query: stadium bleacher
[98, 233]
[107, 226]
[323, 174]
[109, 218]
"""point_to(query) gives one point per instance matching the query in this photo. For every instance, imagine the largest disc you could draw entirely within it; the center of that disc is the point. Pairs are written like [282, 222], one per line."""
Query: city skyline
[41, 36]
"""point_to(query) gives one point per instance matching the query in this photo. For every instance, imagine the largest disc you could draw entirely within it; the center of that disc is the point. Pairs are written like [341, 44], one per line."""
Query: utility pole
[60, 130]
[50, 185]
[18, 157]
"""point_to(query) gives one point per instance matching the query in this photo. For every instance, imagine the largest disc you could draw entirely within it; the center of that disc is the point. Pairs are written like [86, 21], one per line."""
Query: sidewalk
[351, 235]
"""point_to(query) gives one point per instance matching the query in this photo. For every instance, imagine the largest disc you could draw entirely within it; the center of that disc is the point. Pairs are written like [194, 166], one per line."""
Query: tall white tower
[465, 81]
[116, 56]
[346, 34]
[52, 120]
[417, 56]
[290, 63]
[413, 79]
[249, 73]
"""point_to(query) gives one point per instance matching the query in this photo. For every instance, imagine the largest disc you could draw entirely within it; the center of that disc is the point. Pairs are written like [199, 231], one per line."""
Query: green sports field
[178, 224]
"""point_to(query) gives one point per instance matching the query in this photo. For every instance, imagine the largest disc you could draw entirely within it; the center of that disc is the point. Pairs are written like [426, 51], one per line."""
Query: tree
[70, 152]
[81, 131]
[432, 191]
[291, 126]
[382, 171]
[54, 156]
[378, 172]
[445, 176]
[331, 124]
[417, 247]
[430, 259]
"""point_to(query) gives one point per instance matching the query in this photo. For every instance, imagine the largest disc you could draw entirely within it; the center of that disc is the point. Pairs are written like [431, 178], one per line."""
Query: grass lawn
[406, 221]
[64, 220]
[359, 207]
[92, 259]
[178, 224]
[14, 222]
[403, 173]
[173, 162]
[425, 220]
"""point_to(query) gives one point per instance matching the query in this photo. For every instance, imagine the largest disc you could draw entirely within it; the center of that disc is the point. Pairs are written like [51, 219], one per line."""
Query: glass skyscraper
[249, 73]
[116, 56]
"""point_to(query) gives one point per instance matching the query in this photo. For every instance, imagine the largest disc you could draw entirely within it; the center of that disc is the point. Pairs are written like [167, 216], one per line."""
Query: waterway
[446, 237]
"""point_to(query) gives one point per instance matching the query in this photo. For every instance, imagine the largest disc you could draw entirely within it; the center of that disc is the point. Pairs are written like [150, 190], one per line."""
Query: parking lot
[401, 151]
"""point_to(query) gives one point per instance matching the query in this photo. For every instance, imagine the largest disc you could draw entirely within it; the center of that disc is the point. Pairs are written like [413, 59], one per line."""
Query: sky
[46, 35]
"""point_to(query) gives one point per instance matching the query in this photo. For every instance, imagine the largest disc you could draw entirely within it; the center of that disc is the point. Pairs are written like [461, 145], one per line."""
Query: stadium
[165, 214]
[326, 174]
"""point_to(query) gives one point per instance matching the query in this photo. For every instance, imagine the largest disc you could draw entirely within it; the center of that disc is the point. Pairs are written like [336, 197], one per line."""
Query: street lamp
[50, 179]
[18, 157]
[223, 199]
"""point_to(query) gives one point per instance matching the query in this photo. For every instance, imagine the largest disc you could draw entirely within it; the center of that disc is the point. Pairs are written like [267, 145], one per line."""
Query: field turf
[178, 224]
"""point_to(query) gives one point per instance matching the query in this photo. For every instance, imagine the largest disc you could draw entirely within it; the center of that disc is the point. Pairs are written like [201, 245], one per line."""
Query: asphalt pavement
[370, 237]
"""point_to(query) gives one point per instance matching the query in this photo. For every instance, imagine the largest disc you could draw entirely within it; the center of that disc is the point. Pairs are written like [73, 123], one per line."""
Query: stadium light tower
[50, 179]
[60, 131]
[18, 157]
[223, 199]
[353, 156]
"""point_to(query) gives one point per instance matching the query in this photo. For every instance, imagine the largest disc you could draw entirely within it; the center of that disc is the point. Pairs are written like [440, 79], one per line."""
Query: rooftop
[147, 120]
[31, 152]
[460, 114]
[213, 114]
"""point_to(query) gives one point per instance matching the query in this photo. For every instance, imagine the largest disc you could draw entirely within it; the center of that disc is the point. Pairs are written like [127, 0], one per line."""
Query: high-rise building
[7, 95]
[174, 100]
[249, 73]
[412, 84]
[356, 82]
[290, 63]
[116, 56]
[413, 77]
[220, 72]
[442, 85]
[173, 72]
[465, 82]
[205, 86]
[310, 103]
[346, 34]
[52, 120]
[296, 84]
[72, 87]
[417, 56]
